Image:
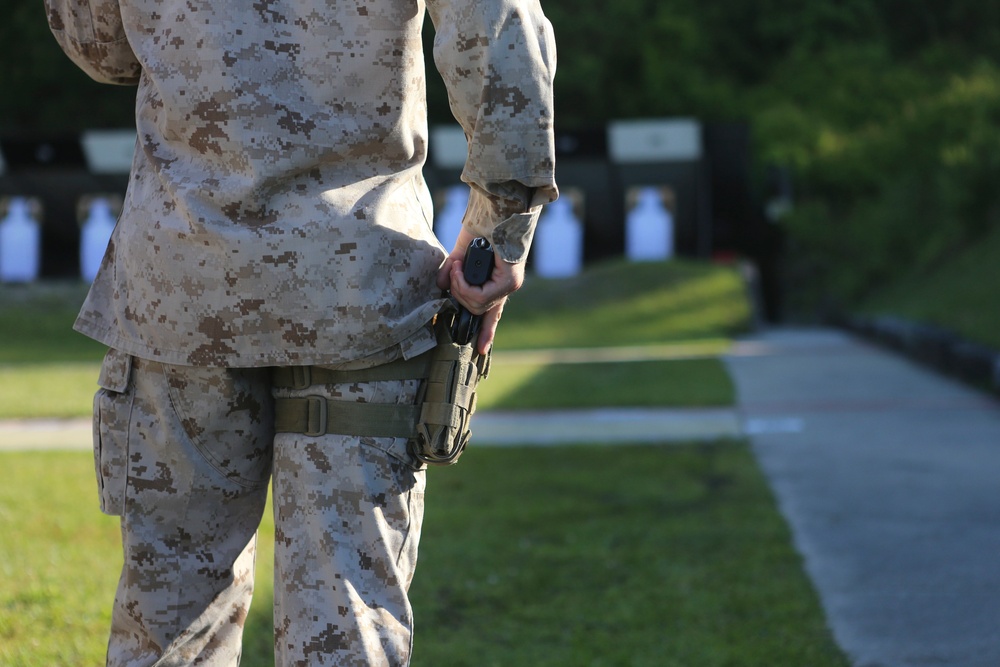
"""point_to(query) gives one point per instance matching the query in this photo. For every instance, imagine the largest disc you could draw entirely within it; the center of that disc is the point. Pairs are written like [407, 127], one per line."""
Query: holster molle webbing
[438, 425]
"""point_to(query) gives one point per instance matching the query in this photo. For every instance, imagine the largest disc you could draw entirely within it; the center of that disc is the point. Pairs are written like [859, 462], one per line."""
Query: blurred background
[840, 145]
[842, 157]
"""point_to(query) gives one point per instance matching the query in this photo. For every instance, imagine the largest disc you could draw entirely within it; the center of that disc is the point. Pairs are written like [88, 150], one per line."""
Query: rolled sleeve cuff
[508, 221]
[512, 237]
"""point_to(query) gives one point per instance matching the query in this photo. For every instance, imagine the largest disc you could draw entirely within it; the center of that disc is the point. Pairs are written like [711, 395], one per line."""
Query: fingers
[455, 257]
[444, 275]
[448, 267]
[506, 279]
[488, 328]
[488, 299]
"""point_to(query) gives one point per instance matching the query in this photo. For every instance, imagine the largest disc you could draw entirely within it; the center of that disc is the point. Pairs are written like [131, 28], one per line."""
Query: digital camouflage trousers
[184, 456]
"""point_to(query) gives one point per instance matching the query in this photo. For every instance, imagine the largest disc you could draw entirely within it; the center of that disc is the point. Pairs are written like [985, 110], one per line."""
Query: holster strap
[436, 425]
[315, 416]
[301, 377]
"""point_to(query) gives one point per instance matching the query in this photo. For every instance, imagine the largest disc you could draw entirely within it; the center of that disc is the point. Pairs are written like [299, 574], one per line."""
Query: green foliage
[886, 110]
[621, 59]
[902, 191]
[41, 90]
[960, 294]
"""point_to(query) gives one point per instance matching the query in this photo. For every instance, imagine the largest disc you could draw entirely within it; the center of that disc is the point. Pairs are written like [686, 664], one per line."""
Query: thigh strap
[315, 416]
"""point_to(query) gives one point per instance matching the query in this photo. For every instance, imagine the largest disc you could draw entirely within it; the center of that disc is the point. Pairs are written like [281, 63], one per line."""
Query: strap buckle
[316, 416]
[301, 377]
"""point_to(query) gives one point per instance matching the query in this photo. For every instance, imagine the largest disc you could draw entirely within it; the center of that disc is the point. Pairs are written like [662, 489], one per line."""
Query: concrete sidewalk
[889, 476]
[39, 434]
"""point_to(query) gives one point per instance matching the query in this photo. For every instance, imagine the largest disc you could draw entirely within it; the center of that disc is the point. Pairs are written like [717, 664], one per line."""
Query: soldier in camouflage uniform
[276, 216]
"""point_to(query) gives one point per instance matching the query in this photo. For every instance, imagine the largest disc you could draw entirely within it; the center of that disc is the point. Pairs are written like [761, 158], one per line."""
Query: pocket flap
[115, 371]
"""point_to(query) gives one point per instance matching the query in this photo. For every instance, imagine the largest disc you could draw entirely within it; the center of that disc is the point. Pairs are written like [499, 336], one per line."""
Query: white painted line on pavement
[771, 425]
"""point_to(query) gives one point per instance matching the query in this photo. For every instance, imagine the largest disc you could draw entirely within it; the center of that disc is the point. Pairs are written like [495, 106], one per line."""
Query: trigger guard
[464, 327]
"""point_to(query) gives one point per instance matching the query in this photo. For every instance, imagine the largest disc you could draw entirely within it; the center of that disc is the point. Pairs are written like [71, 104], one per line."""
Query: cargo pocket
[112, 415]
[227, 416]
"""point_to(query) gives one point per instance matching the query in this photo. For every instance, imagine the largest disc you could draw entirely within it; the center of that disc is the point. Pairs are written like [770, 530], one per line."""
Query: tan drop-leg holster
[437, 425]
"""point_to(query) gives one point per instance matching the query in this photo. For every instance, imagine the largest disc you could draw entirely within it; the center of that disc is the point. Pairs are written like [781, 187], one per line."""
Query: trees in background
[887, 111]
[41, 91]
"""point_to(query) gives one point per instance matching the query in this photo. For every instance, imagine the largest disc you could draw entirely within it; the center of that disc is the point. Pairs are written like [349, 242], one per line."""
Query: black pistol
[477, 268]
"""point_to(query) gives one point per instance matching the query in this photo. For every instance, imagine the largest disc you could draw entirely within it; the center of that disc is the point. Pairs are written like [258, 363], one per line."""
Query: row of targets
[21, 236]
[557, 249]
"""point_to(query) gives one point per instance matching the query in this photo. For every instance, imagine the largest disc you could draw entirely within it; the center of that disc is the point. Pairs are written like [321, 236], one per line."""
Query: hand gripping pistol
[477, 268]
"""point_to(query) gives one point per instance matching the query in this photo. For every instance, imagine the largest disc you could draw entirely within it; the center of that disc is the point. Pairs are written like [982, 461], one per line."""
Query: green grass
[621, 303]
[59, 390]
[675, 383]
[36, 322]
[48, 370]
[961, 294]
[642, 556]
[66, 390]
[614, 555]
[629, 555]
[59, 561]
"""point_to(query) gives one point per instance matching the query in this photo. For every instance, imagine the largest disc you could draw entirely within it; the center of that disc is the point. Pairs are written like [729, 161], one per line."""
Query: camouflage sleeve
[497, 59]
[91, 33]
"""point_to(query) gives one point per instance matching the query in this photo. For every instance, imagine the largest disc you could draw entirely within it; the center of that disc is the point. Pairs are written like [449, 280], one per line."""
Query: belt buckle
[316, 416]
